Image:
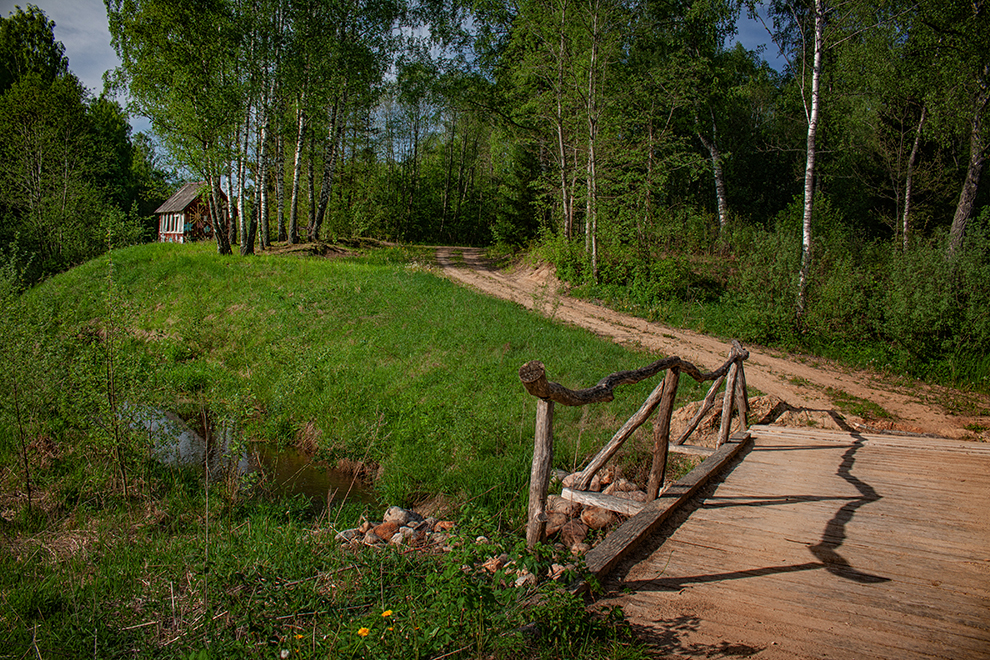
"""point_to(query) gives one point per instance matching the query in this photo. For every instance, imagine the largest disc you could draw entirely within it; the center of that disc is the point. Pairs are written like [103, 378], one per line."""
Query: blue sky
[81, 26]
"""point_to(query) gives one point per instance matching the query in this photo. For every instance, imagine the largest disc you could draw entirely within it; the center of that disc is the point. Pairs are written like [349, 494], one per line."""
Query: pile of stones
[571, 521]
[402, 527]
[398, 527]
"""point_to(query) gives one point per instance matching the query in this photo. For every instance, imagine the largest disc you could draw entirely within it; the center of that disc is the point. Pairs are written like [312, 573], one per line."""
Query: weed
[854, 405]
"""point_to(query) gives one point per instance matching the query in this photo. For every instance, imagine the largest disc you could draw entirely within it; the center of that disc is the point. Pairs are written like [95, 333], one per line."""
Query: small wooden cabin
[185, 216]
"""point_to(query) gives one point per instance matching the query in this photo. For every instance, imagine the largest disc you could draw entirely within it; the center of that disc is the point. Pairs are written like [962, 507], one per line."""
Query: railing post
[539, 479]
[742, 398]
[661, 433]
[730, 391]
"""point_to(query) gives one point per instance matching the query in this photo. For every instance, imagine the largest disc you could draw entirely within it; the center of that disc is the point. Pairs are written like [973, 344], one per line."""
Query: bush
[938, 308]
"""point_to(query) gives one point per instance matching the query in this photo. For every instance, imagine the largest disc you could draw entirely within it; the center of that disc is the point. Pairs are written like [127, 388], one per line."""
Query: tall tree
[177, 59]
[28, 46]
[955, 36]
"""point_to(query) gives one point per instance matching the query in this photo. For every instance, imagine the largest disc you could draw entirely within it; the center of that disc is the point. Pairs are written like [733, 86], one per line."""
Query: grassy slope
[373, 358]
[383, 359]
[386, 361]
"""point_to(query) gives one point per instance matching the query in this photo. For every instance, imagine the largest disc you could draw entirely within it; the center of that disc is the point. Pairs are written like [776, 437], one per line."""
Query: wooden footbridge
[803, 543]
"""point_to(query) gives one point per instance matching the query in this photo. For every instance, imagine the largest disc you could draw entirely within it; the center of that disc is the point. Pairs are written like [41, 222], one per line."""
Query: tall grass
[374, 359]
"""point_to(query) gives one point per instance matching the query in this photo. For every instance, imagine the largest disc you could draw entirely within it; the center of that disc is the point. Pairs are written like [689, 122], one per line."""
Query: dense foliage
[622, 137]
[73, 181]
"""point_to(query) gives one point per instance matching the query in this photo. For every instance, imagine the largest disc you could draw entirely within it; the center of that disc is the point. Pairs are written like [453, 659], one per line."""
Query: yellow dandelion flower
[390, 628]
[298, 636]
[363, 632]
[387, 613]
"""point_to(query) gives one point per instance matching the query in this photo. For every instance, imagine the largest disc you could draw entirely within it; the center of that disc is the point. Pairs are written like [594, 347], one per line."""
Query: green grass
[849, 403]
[380, 361]
[391, 364]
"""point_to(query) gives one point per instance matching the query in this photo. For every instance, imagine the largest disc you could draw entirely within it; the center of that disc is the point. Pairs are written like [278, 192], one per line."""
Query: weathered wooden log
[539, 478]
[727, 402]
[661, 434]
[584, 477]
[534, 379]
[611, 502]
[706, 405]
[742, 398]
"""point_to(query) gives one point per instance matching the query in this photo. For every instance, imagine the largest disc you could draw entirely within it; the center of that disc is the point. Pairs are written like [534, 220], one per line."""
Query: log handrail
[534, 379]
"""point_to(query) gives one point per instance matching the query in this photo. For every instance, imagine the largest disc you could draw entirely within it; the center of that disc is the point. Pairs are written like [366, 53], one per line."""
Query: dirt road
[801, 382]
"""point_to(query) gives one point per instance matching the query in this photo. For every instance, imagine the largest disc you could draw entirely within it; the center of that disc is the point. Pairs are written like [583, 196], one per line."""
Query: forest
[832, 205]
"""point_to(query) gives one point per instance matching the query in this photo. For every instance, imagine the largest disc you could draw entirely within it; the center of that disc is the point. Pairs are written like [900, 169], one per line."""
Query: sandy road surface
[915, 407]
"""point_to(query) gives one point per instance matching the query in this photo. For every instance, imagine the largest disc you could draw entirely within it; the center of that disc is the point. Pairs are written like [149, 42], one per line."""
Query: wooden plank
[603, 557]
[741, 570]
[610, 502]
[690, 450]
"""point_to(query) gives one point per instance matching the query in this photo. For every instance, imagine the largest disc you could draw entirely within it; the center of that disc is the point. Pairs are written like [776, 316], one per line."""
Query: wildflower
[386, 613]
[363, 632]
[390, 628]
[298, 636]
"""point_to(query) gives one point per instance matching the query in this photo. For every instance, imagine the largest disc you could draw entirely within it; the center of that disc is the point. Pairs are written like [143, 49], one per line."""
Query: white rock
[526, 579]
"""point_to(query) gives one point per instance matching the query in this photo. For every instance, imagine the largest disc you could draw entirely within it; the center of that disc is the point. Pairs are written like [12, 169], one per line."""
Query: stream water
[289, 470]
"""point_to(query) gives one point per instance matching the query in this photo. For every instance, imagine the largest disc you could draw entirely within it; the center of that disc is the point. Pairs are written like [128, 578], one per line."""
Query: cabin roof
[181, 200]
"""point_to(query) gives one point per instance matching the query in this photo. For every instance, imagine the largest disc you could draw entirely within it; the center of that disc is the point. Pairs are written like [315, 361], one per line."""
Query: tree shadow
[669, 637]
[825, 550]
[834, 534]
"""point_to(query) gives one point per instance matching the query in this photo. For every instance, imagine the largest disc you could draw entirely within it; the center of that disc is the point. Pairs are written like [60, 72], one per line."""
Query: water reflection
[294, 472]
[290, 471]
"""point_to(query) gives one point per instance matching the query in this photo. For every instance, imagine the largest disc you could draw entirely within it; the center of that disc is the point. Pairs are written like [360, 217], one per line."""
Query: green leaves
[28, 47]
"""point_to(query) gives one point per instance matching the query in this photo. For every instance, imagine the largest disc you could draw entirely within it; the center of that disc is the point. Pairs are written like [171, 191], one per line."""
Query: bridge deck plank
[819, 544]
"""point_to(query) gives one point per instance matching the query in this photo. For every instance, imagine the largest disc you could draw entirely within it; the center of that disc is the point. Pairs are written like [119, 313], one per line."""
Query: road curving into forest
[800, 381]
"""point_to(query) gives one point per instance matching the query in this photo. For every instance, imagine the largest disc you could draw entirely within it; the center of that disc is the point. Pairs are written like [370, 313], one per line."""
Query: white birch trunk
[906, 224]
[809, 170]
[262, 183]
[297, 172]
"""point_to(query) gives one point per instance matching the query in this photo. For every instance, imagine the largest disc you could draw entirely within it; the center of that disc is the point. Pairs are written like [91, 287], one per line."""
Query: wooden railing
[534, 379]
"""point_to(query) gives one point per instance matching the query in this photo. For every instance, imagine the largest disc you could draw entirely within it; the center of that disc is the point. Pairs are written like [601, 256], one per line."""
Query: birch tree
[177, 61]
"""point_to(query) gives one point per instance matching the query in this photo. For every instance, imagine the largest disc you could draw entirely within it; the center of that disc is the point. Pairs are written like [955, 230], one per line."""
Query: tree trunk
[217, 215]
[967, 197]
[253, 225]
[297, 174]
[329, 163]
[450, 172]
[280, 177]
[906, 225]
[262, 182]
[565, 202]
[247, 237]
[716, 158]
[228, 207]
[809, 170]
[592, 203]
[311, 193]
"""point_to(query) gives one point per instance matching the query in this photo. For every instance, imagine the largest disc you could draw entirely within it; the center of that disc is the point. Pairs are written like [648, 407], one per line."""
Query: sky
[81, 26]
